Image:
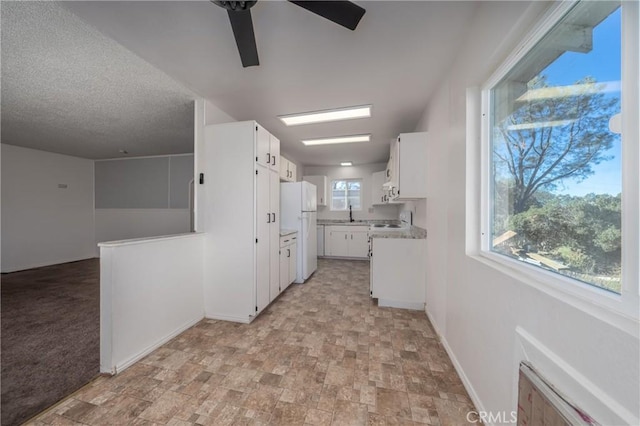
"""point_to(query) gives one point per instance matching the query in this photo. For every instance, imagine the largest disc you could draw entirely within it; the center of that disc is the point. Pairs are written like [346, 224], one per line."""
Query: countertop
[414, 233]
[342, 222]
[284, 232]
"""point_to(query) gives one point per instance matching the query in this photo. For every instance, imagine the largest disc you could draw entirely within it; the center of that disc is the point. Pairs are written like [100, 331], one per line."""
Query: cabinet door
[358, 244]
[321, 188]
[263, 245]
[372, 290]
[274, 151]
[284, 169]
[292, 172]
[263, 153]
[274, 234]
[293, 262]
[339, 243]
[284, 267]
[377, 191]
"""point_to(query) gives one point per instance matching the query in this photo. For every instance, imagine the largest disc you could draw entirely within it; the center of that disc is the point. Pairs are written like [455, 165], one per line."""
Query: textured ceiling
[67, 88]
[394, 60]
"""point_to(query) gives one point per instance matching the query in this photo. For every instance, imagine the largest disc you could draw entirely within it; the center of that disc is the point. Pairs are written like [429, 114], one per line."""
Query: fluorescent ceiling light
[540, 124]
[349, 113]
[556, 92]
[346, 163]
[338, 139]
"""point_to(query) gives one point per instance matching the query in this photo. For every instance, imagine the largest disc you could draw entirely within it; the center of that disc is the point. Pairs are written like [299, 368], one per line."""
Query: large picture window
[345, 193]
[555, 157]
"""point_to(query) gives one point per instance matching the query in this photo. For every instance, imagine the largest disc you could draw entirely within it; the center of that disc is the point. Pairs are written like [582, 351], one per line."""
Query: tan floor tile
[322, 353]
[290, 414]
[318, 417]
[392, 403]
[349, 414]
[263, 398]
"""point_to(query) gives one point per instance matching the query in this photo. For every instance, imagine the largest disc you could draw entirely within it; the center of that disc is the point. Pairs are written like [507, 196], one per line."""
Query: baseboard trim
[229, 318]
[121, 366]
[456, 365]
[45, 264]
[415, 306]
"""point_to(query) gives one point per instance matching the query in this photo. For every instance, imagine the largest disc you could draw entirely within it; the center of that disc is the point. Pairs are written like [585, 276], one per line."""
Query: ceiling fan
[343, 13]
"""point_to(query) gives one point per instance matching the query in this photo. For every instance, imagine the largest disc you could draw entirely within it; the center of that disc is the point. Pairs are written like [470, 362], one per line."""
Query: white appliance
[298, 211]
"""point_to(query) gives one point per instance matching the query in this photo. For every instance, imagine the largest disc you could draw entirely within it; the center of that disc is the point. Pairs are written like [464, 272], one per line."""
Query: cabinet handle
[268, 217]
[352, 236]
[288, 253]
[320, 200]
[273, 159]
[268, 158]
[345, 236]
[387, 172]
[274, 218]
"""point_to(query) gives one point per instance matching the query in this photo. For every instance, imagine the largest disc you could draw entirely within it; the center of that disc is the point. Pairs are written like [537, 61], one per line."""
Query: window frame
[347, 208]
[618, 309]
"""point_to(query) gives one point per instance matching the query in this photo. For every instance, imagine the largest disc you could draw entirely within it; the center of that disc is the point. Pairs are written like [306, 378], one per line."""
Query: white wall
[122, 224]
[141, 197]
[488, 320]
[43, 224]
[363, 172]
[150, 291]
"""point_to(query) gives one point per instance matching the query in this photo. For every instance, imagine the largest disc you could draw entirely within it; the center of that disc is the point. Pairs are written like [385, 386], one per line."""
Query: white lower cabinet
[288, 261]
[346, 241]
[398, 272]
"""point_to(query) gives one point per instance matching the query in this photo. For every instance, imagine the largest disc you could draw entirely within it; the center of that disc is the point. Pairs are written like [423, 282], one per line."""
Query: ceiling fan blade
[242, 26]
[343, 13]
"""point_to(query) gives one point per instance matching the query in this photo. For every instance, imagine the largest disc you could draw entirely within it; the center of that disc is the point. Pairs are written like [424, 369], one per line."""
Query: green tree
[536, 157]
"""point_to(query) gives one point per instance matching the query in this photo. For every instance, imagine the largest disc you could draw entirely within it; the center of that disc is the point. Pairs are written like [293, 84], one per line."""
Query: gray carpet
[50, 336]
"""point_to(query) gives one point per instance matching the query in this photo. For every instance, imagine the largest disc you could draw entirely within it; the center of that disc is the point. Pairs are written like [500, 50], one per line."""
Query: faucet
[350, 214]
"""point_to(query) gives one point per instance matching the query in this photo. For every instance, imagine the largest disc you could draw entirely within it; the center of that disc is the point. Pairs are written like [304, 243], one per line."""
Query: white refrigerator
[298, 212]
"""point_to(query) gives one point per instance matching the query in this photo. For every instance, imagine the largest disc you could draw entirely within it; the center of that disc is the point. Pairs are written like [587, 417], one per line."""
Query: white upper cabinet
[287, 170]
[267, 149]
[379, 195]
[321, 188]
[408, 174]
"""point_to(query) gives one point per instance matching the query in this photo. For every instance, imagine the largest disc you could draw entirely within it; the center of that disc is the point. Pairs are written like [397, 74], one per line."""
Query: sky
[603, 63]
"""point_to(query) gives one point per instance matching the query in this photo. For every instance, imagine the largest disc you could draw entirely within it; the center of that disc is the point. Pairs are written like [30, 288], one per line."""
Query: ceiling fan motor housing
[235, 5]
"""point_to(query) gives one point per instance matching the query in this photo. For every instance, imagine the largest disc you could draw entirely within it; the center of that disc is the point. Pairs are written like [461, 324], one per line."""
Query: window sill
[599, 303]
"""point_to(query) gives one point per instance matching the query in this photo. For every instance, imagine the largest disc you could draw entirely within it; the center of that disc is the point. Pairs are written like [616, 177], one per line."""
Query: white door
[263, 229]
[274, 234]
[284, 268]
[339, 243]
[274, 151]
[311, 245]
[284, 169]
[263, 153]
[308, 197]
[293, 262]
[358, 244]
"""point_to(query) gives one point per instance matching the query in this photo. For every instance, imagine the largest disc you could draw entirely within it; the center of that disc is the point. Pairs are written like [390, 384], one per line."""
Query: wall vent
[540, 403]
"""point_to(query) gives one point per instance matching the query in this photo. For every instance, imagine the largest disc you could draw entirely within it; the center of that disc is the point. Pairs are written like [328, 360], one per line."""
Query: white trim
[159, 238]
[414, 306]
[569, 381]
[144, 156]
[243, 320]
[347, 190]
[458, 367]
[620, 311]
[120, 367]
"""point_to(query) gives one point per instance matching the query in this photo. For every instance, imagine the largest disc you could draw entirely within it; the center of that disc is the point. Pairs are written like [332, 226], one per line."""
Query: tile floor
[321, 354]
